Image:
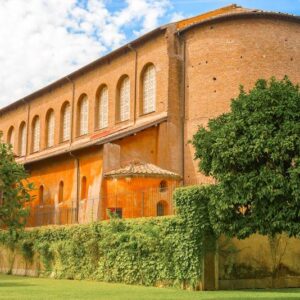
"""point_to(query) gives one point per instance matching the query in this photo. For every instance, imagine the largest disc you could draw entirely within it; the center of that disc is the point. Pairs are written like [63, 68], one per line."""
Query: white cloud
[176, 16]
[43, 40]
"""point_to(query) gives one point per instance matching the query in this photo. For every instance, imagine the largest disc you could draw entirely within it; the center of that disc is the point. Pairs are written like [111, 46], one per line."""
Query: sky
[44, 40]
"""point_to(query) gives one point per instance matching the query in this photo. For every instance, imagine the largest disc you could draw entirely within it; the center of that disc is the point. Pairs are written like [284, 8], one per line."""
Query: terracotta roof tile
[141, 169]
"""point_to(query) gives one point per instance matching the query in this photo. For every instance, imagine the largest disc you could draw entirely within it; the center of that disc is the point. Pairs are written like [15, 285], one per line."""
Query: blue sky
[44, 40]
[191, 7]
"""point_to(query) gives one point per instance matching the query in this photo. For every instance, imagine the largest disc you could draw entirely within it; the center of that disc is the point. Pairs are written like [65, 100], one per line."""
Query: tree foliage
[253, 152]
[14, 190]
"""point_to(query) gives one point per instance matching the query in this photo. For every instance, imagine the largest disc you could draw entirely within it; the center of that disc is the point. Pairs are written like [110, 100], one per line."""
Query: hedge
[148, 251]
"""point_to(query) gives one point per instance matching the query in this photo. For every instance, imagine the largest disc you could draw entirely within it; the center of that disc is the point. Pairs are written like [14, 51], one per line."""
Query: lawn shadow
[14, 284]
[285, 290]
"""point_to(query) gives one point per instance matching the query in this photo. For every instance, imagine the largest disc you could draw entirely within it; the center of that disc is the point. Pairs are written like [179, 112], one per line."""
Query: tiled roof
[226, 10]
[141, 169]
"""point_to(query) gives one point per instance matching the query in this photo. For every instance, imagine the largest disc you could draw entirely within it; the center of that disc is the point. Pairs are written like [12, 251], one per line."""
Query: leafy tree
[253, 152]
[14, 191]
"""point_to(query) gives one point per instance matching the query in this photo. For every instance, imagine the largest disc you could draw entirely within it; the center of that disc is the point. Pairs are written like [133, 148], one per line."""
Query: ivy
[148, 251]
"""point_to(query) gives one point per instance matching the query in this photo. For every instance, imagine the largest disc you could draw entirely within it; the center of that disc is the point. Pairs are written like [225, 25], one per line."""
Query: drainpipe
[135, 81]
[182, 106]
[77, 167]
[76, 158]
[73, 109]
[27, 126]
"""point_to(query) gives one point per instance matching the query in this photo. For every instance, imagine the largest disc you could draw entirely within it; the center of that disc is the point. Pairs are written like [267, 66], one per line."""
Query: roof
[82, 70]
[141, 169]
[231, 12]
[222, 13]
[230, 9]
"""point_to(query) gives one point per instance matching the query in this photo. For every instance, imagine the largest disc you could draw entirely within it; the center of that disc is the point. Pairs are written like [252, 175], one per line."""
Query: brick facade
[199, 65]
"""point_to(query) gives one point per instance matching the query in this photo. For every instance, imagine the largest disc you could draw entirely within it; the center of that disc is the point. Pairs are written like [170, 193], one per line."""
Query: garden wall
[258, 262]
[163, 251]
[160, 251]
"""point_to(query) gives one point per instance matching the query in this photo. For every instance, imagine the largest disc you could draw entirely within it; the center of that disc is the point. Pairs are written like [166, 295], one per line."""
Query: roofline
[248, 14]
[85, 68]
[138, 175]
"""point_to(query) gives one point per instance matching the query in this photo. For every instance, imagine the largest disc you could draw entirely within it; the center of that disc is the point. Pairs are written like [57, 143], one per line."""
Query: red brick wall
[222, 55]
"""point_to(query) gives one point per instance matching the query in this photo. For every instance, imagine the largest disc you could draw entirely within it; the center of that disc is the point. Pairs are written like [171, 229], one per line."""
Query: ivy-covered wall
[148, 251]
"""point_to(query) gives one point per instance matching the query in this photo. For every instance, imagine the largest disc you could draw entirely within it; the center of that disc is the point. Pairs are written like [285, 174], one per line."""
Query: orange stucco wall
[50, 173]
[137, 197]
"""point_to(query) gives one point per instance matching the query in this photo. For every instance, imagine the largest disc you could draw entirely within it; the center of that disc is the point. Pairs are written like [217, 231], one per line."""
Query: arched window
[50, 127]
[41, 195]
[161, 208]
[22, 139]
[83, 110]
[83, 188]
[11, 136]
[61, 192]
[65, 122]
[163, 186]
[102, 108]
[123, 108]
[149, 89]
[36, 134]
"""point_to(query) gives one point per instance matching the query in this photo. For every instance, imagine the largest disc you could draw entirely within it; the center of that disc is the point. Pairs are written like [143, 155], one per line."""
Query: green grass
[16, 287]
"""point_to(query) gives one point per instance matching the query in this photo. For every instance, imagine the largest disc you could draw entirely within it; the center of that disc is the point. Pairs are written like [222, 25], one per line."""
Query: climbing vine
[149, 251]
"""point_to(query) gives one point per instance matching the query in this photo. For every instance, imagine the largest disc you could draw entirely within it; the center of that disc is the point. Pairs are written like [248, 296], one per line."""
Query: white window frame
[83, 116]
[149, 90]
[23, 139]
[66, 123]
[36, 134]
[11, 137]
[124, 102]
[50, 129]
[103, 108]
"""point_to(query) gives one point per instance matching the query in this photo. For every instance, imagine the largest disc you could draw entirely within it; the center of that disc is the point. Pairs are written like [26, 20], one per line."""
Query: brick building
[114, 134]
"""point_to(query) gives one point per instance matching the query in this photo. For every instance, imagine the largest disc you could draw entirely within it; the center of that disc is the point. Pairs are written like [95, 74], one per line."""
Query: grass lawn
[16, 287]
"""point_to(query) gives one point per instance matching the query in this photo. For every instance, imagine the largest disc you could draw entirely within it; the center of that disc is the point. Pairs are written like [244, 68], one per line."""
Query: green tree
[14, 191]
[253, 152]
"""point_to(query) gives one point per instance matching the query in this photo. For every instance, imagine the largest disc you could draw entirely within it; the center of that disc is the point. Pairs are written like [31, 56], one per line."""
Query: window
[161, 208]
[83, 188]
[103, 108]
[83, 116]
[149, 90]
[50, 127]
[22, 139]
[124, 100]
[11, 136]
[41, 195]
[163, 186]
[61, 192]
[36, 134]
[66, 122]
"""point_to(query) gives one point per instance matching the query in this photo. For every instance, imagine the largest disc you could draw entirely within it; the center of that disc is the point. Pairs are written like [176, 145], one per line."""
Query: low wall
[261, 283]
[253, 262]
[160, 251]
